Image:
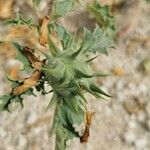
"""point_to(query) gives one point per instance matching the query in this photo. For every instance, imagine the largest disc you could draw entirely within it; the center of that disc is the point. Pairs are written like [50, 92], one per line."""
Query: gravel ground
[123, 123]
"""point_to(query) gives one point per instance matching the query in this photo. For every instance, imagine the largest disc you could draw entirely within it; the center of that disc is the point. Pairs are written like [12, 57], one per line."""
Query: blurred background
[123, 123]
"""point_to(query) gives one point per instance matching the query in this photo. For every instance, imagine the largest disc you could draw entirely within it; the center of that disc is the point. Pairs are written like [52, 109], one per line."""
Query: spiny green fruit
[68, 71]
[70, 75]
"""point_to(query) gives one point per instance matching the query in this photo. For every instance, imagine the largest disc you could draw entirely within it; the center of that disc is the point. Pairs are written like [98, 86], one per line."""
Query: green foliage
[103, 18]
[20, 56]
[67, 70]
[19, 20]
[36, 2]
[7, 99]
[148, 1]
[64, 120]
[4, 100]
[62, 7]
[64, 36]
[70, 76]
[97, 41]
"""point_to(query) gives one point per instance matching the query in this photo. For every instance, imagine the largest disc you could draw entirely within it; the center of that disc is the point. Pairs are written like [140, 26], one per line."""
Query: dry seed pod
[43, 31]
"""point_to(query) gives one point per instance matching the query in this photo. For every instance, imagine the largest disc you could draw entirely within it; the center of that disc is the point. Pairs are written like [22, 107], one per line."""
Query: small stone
[140, 144]
[133, 106]
[129, 137]
[148, 108]
[132, 124]
[141, 117]
[22, 141]
[108, 111]
[3, 133]
[32, 118]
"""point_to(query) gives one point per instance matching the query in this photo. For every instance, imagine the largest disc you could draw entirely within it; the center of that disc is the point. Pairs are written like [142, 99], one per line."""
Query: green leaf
[54, 50]
[148, 1]
[63, 122]
[64, 36]
[36, 2]
[20, 56]
[103, 18]
[19, 20]
[53, 101]
[97, 41]
[4, 99]
[62, 7]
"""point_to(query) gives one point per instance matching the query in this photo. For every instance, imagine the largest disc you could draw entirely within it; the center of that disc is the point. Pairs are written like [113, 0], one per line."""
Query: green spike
[75, 54]
[53, 49]
[83, 103]
[100, 74]
[73, 39]
[92, 92]
[95, 88]
[79, 91]
[52, 102]
[48, 57]
[89, 90]
[91, 59]
[81, 74]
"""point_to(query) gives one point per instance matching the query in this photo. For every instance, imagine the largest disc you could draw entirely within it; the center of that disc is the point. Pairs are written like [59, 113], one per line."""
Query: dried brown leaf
[6, 10]
[43, 31]
[86, 134]
[27, 83]
[35, 62]
[23, 33]
[7, 50]
[36, 75]
[118, 71]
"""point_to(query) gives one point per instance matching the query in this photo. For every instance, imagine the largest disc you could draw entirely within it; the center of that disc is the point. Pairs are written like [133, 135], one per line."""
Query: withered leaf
[22, 33]
[43, 32]
[7, 50]
[6, 10]
[27, 83]
[86, 134]
[35, 62]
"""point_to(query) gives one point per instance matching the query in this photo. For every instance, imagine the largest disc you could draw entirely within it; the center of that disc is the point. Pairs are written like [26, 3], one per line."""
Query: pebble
[32, 117]
[129, 137]
[141, 117]
[22, 141]
[3, 133]
[132, 124]
[140, 144]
